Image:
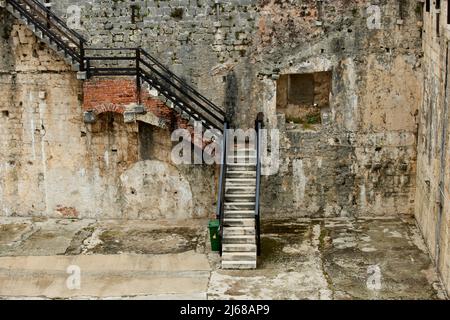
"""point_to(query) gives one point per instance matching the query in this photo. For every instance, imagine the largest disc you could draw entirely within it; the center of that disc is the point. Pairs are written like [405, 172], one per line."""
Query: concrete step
[239, 256]
[240, 205]
[238, 167]
[241, 166]
[241, 181]
[240, 190]
[248, 194]
[239, 247]
[231, 216]
[243, 151]
[39, 34]
[230, 197]
[232, 175]
[240, 216]
[243, 212]
[246, 147]
[239, 239]
[105, 276]
[239, 265]
[241, 159]
[241, 174]
[233, 222]
[239, 187]
[238, 202]
[243, 187]
[235, 231]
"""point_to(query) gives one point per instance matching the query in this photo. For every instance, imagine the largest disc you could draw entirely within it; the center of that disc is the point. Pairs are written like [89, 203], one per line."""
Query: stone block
[89, 117]
[82, 75]
[139, 109]
[129, 116]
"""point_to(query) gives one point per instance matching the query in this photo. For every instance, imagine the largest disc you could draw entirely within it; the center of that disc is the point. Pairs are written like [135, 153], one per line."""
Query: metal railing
[121, 62]
[258, 127]
[52, 26]
[220, 214]
[137, 62]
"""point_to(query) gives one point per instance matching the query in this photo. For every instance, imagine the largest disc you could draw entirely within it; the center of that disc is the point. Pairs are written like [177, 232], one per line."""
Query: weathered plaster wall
[433, 165]
[53, 164]
[362, 160]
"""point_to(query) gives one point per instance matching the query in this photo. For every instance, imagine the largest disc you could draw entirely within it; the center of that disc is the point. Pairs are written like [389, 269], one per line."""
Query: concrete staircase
[60, 43]
[239, 250]
[173, 91]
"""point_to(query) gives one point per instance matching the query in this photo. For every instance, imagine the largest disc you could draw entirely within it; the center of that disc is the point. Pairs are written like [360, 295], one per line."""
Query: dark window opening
[135, 14]
[154, 142]
[302, 97]
[145, 141]
[438, 4]
[115, 141]
[5, 113]
[427, 5]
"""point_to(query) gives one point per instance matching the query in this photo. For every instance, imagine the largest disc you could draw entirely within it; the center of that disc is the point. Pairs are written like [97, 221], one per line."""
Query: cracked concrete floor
[341, 258]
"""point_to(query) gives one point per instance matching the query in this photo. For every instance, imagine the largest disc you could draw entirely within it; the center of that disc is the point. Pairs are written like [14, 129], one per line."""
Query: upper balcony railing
[137, 62]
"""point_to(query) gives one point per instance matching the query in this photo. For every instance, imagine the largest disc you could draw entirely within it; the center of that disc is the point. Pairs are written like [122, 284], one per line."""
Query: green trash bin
[214, 234]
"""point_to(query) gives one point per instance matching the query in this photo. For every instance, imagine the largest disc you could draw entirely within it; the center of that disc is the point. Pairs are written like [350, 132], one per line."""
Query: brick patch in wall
[115, 95]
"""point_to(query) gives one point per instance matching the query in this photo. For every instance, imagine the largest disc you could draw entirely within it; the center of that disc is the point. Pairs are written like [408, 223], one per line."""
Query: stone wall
[362, 159]
[54, 164]
[433, 165]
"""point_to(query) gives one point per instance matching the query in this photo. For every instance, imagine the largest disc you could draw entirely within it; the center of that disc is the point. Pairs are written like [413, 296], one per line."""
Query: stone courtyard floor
[341, 258]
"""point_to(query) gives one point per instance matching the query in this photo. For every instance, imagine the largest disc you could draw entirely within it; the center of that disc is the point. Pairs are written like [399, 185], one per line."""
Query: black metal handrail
[222, 179]
[214, 114]
[258, 127]
[144, 68]
[58, 20]
[141, 64]
[44, 20]
[182, 82]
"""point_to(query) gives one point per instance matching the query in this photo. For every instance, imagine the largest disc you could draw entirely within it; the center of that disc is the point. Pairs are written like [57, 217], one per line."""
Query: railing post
[48, 5]
[138, 75]
[221, 188]
[88, 68]
[82, 54]
[258, 126]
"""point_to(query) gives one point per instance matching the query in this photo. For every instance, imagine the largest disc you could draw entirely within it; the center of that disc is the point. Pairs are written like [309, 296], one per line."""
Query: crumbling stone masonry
[54, 164]
[358, 154]
[433, 162]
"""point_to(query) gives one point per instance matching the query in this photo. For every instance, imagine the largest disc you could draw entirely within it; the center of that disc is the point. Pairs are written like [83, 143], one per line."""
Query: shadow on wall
[231, 96]
[135, 170]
